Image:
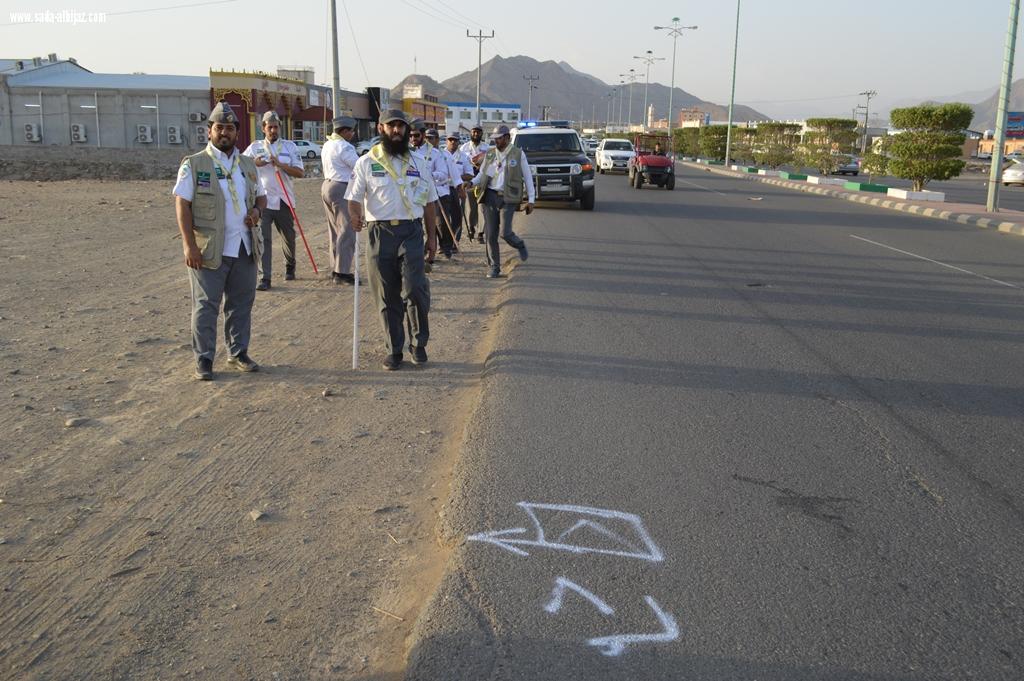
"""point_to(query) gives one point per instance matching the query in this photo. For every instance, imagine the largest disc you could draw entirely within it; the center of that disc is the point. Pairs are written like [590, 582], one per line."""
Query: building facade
[460, 117]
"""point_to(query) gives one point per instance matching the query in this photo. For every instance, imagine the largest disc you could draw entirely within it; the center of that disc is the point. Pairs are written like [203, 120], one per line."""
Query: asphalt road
[738, 432]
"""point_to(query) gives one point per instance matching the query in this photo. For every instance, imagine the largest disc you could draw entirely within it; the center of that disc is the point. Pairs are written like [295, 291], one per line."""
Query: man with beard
[463, 172]
[474, 150]
[219, 200]
[339, 158]
[392, 193]
[499, 187]
[275, 156]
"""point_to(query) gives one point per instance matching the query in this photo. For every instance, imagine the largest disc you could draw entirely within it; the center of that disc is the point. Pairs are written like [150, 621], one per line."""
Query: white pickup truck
[613, 155]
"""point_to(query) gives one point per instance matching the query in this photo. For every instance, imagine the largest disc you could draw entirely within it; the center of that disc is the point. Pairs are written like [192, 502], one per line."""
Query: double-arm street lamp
[630, 78]
[648, 59]
[675, 30]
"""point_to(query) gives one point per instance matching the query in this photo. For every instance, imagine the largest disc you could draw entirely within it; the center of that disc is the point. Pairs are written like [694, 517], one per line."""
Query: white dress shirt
[438, 166]
[338, 158]
[496, 171]
[287, 153]
[471, 150]
[459, 166]
[381, 196]
[235, 231]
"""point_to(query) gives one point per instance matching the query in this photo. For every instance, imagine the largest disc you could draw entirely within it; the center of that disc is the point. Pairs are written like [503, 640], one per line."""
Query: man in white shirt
[393, 194]
[504, 174]
[474, 150]
[463, 172]
[277, 161]
[339, 158]
[218, 202]
[444, 178]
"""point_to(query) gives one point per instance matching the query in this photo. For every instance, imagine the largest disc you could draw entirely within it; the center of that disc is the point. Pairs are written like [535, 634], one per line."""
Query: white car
[614, 154]
[1014, 173]
[307, 148]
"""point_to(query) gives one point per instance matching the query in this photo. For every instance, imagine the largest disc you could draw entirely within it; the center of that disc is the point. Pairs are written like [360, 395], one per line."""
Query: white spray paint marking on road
[594, 519]
[936, 262]
[613, 646]
[561, 584]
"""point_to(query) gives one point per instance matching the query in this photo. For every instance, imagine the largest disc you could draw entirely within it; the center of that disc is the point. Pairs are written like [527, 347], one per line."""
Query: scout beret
[393, 115]
[223, 114]
[344, 122]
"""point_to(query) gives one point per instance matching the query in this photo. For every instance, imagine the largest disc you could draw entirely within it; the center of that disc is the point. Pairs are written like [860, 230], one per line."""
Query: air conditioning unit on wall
[195, 118]
[78, 132]
[32, 133]
[144, 133]
[173, 134]
[201, 137]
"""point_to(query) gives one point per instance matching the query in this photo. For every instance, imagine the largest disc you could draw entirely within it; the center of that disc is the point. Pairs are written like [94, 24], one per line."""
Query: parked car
[1014, 173]
[848, 165]
[614, 154]
[365, 145]
[308, 149]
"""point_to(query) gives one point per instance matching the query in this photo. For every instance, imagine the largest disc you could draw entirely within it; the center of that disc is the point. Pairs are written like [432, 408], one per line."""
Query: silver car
[848, 165]
[1014, 173]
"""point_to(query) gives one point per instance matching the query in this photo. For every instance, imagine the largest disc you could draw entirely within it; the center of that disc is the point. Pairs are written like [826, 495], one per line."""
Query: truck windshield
[618, 146]
[555, 141]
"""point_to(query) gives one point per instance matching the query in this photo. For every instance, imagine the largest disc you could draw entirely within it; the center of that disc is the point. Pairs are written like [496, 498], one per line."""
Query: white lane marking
[700, 186]
[936, 262]
[614, 645]
[561, 584]
[638, 545]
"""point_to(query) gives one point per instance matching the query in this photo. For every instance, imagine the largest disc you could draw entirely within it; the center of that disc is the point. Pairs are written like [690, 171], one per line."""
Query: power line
[168, 7]
[359, 54]
[460, 14]
[430, 14]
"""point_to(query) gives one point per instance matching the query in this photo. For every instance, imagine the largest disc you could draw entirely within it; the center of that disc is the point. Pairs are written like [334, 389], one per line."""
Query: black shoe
[264, 285]
[345, 279]
[447, 255]
[289, 275]
[204, 369]
[392, 362]
[495, 274]
[419, 355]
[479, 238]
[428, 266]
[242, 362]
[523, 255]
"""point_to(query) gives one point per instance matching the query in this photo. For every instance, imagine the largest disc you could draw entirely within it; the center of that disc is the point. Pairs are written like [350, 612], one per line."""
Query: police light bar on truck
[543, 124]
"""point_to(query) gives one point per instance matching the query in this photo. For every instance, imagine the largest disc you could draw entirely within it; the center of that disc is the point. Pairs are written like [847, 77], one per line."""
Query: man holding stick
[339, 158]
[392, 194]
[474, 150]
[276, 157]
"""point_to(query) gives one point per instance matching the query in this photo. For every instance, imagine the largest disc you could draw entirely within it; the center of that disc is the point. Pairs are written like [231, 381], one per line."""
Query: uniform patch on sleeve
[184, 170]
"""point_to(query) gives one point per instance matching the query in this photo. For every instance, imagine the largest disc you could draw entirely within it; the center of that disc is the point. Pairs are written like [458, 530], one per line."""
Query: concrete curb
[881, 202]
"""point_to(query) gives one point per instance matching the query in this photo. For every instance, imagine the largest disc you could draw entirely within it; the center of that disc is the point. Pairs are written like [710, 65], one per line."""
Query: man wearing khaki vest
[219, 201]
[499, 187]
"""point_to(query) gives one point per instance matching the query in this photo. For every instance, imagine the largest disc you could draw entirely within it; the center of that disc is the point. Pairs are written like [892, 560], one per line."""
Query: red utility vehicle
[650, 166]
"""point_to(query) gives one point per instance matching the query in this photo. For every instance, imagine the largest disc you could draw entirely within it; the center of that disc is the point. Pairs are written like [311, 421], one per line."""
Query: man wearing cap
[463, 172]
[474, 150]
[445, 173]
[277, 161]
[218, 202]
[504, 174]
[339, 158]
[392, 194]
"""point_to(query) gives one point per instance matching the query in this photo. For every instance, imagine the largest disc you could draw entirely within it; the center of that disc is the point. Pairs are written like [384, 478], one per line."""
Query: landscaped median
[903, 200]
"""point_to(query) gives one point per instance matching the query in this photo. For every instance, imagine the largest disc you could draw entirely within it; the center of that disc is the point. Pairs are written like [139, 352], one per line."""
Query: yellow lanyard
[228, 176]
[378, 155]
[269, 146]
[499, 159]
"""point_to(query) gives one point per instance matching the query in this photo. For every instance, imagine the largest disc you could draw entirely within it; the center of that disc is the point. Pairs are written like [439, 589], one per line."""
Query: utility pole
[999, 146]
[630, 77]
[608, 109]
[529, 105]
[675, 30]
[336, 82]
[648, 59]
[867, 107]
[732, 93]
[479, 38]
[622, 91]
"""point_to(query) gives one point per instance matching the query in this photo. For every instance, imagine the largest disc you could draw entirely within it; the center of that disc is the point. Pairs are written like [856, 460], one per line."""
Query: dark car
[848, 165]
[560, 166]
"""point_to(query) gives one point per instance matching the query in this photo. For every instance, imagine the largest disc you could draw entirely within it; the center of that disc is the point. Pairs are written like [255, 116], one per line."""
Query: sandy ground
[127, 545]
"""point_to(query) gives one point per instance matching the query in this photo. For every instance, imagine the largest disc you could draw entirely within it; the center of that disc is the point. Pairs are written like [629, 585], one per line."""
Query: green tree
[825, 141]
[876, 161]
[930, 145]
[712, 141]
[774, 144]
[687, 141]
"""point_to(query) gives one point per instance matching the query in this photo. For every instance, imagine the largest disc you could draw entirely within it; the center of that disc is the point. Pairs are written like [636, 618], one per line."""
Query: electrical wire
[355, 43]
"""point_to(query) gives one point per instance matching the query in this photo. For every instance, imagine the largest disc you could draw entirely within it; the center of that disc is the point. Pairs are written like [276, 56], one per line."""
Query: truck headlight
[576, 169]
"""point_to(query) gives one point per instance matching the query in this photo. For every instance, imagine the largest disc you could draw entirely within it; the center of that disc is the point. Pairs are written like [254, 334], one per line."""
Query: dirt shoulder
[127, 548]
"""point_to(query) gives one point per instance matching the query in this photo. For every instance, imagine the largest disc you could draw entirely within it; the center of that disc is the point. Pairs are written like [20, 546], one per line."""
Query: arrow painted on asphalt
[561, 584]
[494, 537]
[613, 646]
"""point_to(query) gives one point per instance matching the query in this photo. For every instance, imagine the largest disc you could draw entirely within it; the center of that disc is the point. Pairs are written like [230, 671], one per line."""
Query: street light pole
[630, 77]
[479, 38]
[529, 97]
[867, 107]
[675, 30]
[732, 93]
[648, 59]
[999, 146]
[622, 90]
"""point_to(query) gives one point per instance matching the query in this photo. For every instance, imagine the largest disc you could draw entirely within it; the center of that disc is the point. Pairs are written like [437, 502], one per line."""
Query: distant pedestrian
[339, 158]
[444, 177]
[276, 158]
[474, 150]
[464, 170]
[218, 201]
[392, 193]
[504, 176]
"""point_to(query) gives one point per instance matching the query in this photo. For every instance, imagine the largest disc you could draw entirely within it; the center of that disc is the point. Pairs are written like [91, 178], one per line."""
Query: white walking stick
[355, 307]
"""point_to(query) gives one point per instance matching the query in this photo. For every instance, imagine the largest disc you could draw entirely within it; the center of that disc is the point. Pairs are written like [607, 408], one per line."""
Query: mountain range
[568, 92]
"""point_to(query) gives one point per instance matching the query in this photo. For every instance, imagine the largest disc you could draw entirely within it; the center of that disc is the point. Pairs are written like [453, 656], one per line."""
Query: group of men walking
[409, 193]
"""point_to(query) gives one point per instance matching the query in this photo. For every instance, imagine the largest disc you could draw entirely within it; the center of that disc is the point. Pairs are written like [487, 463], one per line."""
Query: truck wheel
[587, 202]
[671, 182]
[638, 180]
[600, 170]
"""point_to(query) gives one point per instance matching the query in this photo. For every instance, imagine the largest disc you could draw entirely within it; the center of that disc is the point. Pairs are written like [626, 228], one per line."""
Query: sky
[796, 58]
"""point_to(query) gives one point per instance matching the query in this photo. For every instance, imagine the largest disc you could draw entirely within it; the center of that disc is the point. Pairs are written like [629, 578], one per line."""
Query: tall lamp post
[529, 97]
[608, 110]
[622, 91]
[648, 59]
[732, 92]
[999, 146]
[675, 30]
[630, 77]
[867, 107]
